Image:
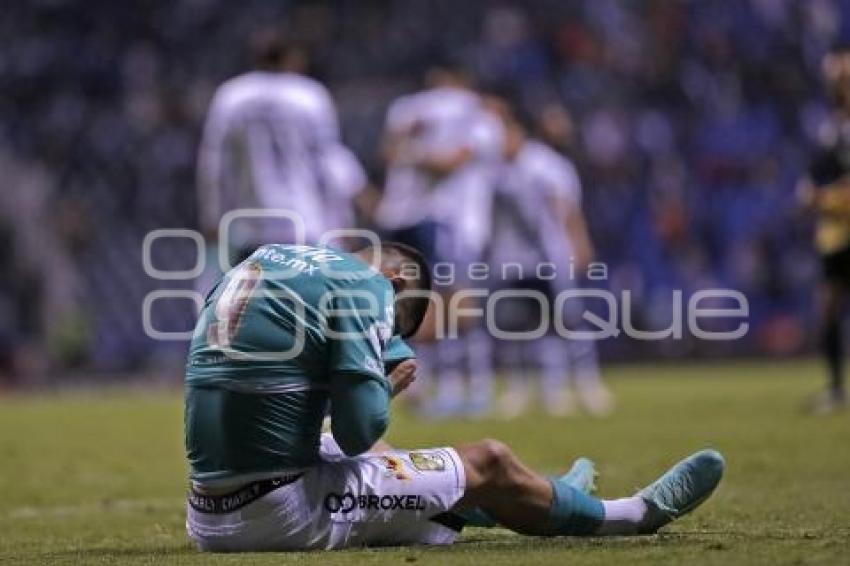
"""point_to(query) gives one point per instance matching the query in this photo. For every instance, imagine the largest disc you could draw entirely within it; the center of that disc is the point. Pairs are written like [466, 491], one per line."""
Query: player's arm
[359, 411]
[360, 387]
[565, 198]
[446, 164]
[395, 145]
[396, 140]
[484, 138]
[576, 227]
[360, 406]
[367, 200]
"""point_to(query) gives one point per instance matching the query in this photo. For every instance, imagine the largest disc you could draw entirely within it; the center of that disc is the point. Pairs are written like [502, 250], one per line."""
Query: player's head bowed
[410, 275]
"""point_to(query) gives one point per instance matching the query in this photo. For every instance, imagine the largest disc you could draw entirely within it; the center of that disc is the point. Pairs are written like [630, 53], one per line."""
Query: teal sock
[574, 512]
[477, 517]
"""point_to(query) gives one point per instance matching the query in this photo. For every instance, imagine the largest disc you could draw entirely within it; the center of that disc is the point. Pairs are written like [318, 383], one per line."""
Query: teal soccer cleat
[681, 489]
[582, 476]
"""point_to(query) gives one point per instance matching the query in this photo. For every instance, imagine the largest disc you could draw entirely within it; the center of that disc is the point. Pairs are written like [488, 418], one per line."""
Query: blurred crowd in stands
[690, 123]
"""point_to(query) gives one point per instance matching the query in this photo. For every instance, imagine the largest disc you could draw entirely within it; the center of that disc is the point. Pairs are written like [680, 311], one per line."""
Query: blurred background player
[826, 191]
[694, 141]
[272, 141]
[541, 244]
[438, 145]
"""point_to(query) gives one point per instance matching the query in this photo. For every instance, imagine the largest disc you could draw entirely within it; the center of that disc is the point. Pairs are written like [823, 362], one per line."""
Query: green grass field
[99, 477]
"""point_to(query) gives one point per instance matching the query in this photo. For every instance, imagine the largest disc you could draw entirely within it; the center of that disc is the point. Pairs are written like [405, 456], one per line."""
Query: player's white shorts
[375, 499]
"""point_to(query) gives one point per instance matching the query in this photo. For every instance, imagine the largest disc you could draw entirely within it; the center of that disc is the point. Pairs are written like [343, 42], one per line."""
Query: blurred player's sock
[552, 357]
[591, 391]
[479, 358]
[596, 399]
[449, 397]
[832, 347]
[516, 397]
[827, 403]
[416, 394]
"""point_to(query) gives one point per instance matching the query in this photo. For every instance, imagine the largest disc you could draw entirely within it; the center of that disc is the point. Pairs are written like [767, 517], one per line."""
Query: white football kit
[376, 499]
[531, 197]
[437, 122]
[344, 178]
[264, 146]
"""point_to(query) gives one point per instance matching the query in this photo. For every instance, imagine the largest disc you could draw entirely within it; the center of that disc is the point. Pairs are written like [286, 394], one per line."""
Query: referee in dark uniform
[826, 192]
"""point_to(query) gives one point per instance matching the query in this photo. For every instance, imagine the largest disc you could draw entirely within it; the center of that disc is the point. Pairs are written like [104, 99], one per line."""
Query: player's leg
[449, 382]
[516, 397]
[582, 361]
[831, 303]
[552, 358]
[584, 364]
[517, 314]
[479, 366]
[395, 497]
[529, 503]
[456, 356]
[581, 475]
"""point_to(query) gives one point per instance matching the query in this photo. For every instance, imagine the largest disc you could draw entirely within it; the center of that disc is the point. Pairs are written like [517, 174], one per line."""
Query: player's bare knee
[497, 460]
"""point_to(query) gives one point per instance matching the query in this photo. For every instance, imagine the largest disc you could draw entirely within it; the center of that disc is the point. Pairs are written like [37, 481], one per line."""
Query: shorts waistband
[235, 500]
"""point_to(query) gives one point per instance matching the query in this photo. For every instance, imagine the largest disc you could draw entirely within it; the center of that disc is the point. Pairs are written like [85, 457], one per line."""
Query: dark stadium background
[690, 123]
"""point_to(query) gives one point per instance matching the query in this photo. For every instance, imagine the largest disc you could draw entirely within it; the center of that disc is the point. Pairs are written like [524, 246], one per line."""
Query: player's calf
[498, 483]
[528, 503]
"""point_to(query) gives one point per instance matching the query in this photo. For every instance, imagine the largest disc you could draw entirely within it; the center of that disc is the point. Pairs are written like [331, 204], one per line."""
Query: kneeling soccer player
[295, 332]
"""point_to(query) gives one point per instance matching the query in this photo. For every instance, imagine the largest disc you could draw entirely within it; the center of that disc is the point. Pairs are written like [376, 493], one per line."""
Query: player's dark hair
[445, 65]
[418, 306]
[507, 95]
[269, 50]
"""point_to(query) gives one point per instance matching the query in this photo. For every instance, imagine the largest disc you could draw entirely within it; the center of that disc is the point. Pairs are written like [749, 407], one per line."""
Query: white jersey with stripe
[263, 137]
[436, 123]
[344, 179]
[533, 193]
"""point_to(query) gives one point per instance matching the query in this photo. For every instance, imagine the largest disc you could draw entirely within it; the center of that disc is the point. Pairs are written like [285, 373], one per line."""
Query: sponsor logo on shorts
[348, 502]
[394, 468]
[427, 461]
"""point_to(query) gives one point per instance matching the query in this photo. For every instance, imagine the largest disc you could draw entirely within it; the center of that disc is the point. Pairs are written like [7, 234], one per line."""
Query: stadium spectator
[692, 124]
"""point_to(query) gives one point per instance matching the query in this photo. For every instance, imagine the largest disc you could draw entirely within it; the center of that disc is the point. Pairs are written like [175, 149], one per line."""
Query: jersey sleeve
[486, 137]
[559, 177]
[400, 115]
[343, 171]
[359, 330]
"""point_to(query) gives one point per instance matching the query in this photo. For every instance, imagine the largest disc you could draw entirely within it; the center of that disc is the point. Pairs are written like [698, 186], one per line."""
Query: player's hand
[402, 376]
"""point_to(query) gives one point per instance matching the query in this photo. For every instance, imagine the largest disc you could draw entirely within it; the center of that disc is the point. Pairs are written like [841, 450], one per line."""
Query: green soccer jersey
[269, 337]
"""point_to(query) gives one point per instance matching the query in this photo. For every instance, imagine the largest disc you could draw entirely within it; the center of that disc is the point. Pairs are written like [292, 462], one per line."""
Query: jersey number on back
[232, 304]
